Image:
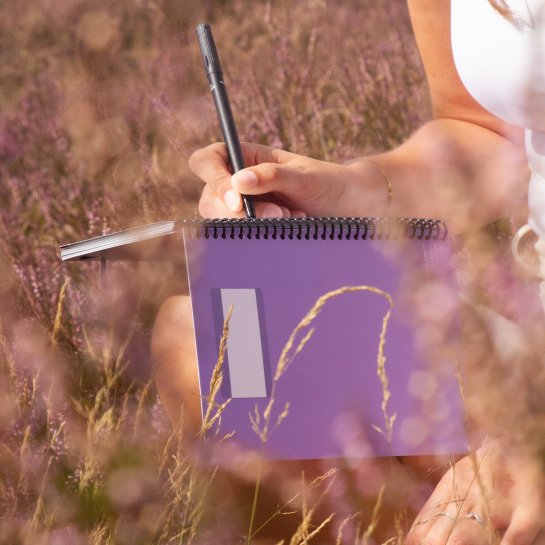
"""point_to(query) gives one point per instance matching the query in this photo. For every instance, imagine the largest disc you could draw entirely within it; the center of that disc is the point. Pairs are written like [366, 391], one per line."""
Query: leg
[175, 363]
[176, 379]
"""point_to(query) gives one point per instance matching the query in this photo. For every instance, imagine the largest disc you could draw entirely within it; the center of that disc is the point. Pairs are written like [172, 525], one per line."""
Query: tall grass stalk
[261, 424]
[212, 416]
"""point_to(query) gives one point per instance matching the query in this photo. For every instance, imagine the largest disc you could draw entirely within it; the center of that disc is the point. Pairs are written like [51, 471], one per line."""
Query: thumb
[266, 178]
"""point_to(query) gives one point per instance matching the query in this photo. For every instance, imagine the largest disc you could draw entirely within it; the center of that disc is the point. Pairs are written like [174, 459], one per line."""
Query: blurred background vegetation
[101, 105]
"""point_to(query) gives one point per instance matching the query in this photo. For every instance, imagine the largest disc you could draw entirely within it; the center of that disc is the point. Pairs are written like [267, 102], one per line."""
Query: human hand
[488, 497]
[285, 184]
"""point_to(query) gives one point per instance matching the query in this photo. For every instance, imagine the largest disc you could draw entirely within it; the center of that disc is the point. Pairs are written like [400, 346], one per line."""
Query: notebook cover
[335, 396]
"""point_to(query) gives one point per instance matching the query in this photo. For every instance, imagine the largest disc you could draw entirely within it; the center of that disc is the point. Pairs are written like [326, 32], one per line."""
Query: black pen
[214, 73]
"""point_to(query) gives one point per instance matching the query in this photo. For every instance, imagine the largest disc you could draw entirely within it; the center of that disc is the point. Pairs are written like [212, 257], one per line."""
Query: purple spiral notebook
[331, 400]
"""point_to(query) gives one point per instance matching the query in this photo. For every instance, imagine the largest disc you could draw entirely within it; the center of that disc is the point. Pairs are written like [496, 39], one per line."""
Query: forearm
[450, 169]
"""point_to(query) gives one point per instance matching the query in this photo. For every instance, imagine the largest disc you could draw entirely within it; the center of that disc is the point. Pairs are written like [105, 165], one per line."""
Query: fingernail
[233, 200]
[244, 179]
[285, 212]
[272, 211]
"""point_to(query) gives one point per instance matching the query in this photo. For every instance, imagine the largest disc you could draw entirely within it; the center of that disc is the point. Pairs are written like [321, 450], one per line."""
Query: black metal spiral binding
[319, 228]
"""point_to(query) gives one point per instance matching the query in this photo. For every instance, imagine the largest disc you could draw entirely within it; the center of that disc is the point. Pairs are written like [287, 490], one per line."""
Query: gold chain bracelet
[390, 191]
[386, 178]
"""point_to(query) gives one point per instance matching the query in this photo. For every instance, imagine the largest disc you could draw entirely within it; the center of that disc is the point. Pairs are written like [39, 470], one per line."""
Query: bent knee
[173, 326]
[174, 360]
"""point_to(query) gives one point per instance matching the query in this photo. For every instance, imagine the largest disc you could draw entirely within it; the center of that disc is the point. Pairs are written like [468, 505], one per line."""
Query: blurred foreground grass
[102, 103]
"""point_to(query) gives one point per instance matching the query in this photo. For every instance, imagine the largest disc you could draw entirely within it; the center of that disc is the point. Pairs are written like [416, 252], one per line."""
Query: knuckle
[414, 537]
[202, 155]
[532, 519]
[523, 531]
[195, 158]
[515, 537]
[271, 171]
[418, 535]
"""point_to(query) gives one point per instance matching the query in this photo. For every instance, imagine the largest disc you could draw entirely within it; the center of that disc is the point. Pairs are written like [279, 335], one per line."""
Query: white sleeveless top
[502, 65]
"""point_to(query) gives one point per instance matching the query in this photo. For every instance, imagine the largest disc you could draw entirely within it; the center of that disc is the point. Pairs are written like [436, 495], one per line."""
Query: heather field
[101, 105]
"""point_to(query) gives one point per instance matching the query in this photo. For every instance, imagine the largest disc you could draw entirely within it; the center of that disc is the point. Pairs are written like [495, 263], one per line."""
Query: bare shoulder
[450, 99]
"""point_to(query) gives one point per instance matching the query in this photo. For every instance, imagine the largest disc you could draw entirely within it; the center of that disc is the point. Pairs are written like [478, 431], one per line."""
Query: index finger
[211, 164]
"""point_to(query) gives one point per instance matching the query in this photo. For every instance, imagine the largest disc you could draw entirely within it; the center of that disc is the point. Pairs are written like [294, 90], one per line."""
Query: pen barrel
[227, 121]
[214, 73]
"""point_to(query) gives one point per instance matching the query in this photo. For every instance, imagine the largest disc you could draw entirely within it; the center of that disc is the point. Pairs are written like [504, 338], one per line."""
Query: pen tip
[249, 206]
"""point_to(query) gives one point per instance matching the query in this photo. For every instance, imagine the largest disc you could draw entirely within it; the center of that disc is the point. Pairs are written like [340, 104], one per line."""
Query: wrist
[370, 186]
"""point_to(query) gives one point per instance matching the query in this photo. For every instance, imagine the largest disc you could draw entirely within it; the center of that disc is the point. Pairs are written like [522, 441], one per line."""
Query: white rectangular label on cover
[244, 349]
